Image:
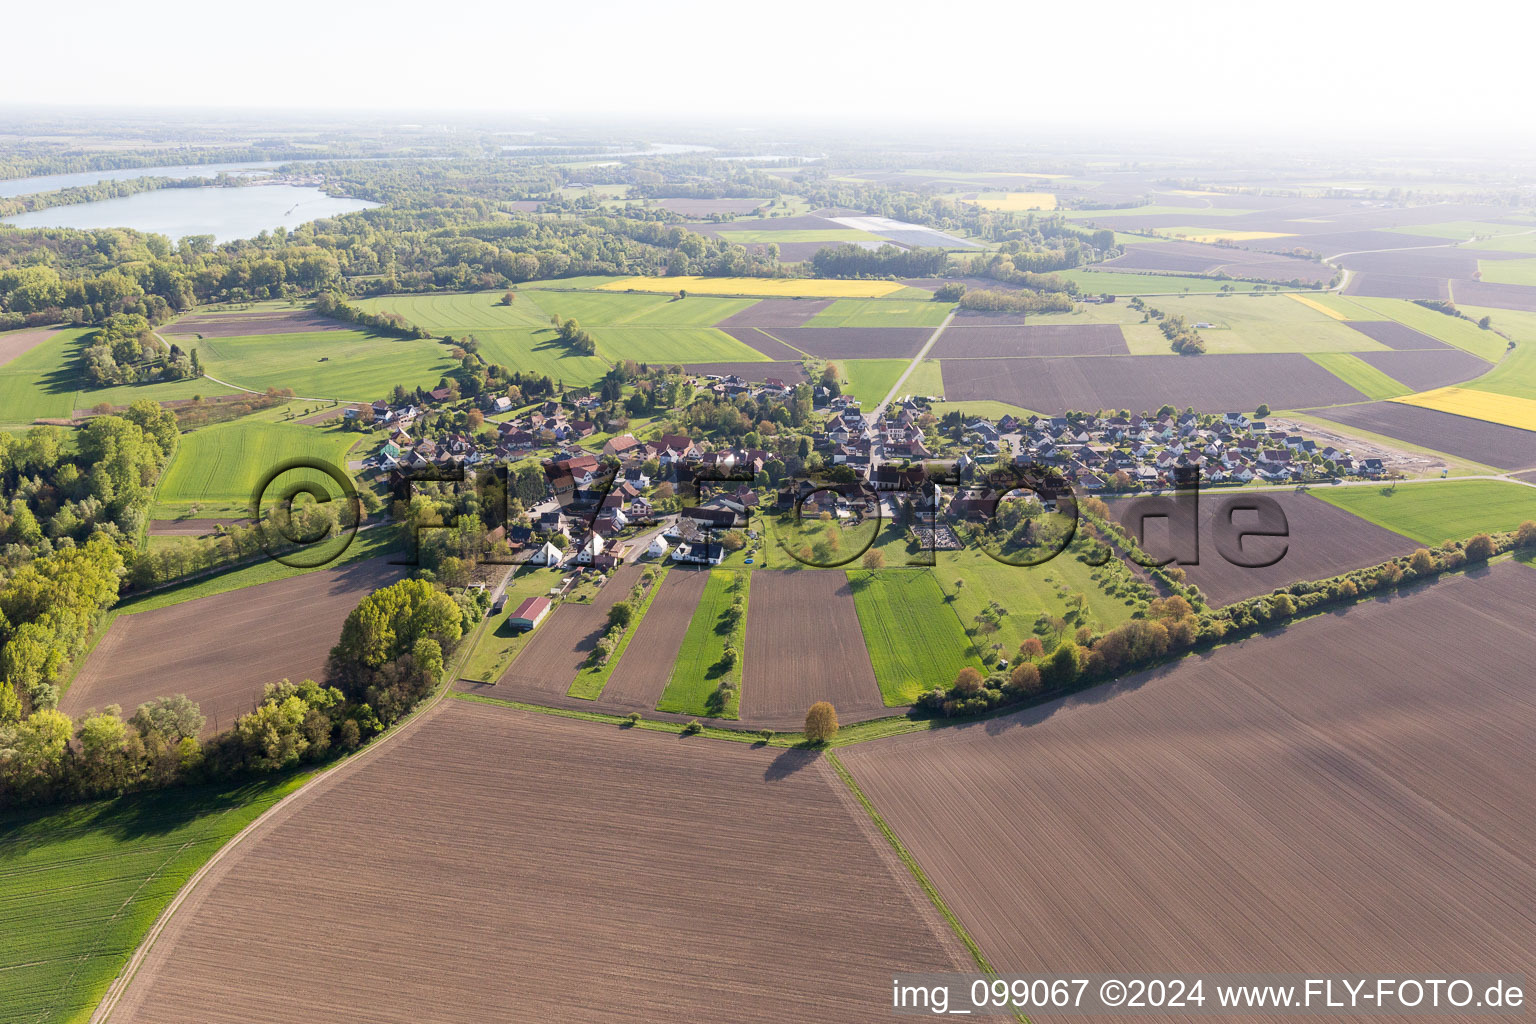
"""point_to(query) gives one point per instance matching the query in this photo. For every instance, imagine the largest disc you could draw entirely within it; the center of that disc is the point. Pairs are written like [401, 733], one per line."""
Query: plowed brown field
[222, 650]
[494, 865]
[562, 642]
[1355, 791]
[647, 662]
[17, 343]
[804, 644]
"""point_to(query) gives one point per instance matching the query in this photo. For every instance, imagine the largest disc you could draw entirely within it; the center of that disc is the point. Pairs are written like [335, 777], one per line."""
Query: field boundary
[417, 715]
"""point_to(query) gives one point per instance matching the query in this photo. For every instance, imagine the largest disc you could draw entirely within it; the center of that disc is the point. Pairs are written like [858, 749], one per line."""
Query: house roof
[531, 608]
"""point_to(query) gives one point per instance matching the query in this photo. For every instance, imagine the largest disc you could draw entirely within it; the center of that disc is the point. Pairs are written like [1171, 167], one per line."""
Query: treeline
[126, 351]
[54, 499]
[391, 654]
[1184, 339]
[102, 190]
[1174, 626]
[333, 305]
[997, 301]
[853, 261]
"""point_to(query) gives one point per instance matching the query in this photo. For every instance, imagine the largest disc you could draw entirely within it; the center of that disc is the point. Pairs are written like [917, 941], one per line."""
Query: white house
[590, 549]
[659, 547]
[548, 555]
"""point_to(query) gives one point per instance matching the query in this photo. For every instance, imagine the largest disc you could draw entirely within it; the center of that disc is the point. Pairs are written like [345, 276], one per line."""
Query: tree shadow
[789, 762]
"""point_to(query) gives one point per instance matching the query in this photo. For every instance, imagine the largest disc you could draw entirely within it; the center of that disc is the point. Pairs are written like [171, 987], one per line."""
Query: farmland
[1270, 323]
[870, 380]
[830, 236]
[221, 465]
[854, 342]
[1479, 405]
[1054, 385]
[804, 644]
[549, 661]
[47, 382]
[642, 673]
[1321, 540]
[1015, 201]
[222, 650]
[1437, 511]
[1359, 374]
[757, 286]
[880, 313]
[961, 340]
[1096, 282]
[500, 642]
[699, 668]
[672, 345]
[1451, 330]
[1246, 812]
[350, 366]
[914, 638]
[1515, 374]
[80, 886]
[535, 868]
[1491, 444]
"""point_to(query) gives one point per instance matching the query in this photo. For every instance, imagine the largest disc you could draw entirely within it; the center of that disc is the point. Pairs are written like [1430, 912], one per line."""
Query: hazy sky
[1333, 64]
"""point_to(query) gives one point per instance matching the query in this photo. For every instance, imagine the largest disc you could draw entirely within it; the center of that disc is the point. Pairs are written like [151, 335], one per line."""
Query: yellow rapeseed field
[1314, 304]
[1207, 235]
[766, 286]
[1479, 405]
[1017, 201]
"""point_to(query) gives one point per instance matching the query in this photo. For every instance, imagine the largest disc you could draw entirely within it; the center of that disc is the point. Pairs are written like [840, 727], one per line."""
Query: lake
[11, 187]
[224, 213]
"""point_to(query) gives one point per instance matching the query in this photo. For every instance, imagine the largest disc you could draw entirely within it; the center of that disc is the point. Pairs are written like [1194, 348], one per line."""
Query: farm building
[530, 613]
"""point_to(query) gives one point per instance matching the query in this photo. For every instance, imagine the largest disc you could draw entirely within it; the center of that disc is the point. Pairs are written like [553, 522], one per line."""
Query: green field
[983, 407]
[81, 885]
[1119, 283]
[1345, 307]
[1450, 329]
[1438, 511]
[1515, 374]
[220, 466]
[1360, 375]
[1460, 230]
[673, 345]
[832, 236]
[1265, 323]
[350, 366]
[518, 336]
[870, 380]
[1523, 242]
[47, 383]
[1508, 271]
[1025, 592]
[881, 313]
[697, 672]
[915, 640]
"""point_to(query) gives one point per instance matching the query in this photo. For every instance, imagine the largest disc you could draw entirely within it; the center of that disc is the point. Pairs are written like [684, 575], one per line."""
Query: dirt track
[643, 671]
[1354, 792]
[494, 865]
[562, 642]
[222, 650]
[804, 644]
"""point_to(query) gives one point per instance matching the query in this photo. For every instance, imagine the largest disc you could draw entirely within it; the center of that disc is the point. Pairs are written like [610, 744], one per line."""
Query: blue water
[224, 213]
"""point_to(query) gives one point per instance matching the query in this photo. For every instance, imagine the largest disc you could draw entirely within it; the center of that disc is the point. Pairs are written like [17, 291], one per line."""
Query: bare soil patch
[855, 342]
[1427, 369]
[706, 207]
[14, 344]
[1143, 383]
[1323, 541]
[1492, 444]
[222, 650]
[1500, 296]
[1247, 811]
[239, 325]
[562, 642]
[1390, 286]
[643, 671]
[976, 342]
[787, 372]
[1395, 335]
[496, 865]
[774, 313]
[766, 340]
[804, 644]
[192, 527]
